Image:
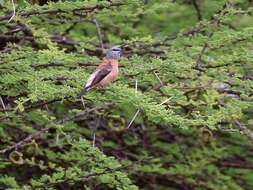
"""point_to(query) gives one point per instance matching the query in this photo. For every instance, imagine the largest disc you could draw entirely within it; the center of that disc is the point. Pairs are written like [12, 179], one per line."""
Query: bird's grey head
[113, 53]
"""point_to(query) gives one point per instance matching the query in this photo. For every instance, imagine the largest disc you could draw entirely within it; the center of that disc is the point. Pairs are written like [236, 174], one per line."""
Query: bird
[105, 73]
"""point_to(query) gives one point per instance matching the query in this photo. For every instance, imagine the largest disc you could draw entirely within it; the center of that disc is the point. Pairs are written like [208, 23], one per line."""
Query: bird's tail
[83, 91]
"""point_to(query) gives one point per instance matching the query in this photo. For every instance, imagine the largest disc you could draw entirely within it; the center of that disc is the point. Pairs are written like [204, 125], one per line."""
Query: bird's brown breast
[112, 75]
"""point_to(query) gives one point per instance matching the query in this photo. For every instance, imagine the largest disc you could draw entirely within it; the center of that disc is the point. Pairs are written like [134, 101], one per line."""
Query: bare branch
[229, 164]
[196, 6]
[27, 139]
[99, 33]
[198, 60]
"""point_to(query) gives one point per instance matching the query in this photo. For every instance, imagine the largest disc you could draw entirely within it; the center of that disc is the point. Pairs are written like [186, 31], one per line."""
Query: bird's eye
[115, 49]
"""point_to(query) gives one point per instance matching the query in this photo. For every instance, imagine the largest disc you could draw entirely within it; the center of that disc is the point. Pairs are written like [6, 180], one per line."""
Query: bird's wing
[98, 75]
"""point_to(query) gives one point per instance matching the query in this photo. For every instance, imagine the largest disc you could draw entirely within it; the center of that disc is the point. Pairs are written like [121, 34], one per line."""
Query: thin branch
[196, 6]
[36, 105]
[99, 33]
[229, 164]
[57, 11]
[44, 130]
[27, 139]
[139, 73]
[86, 177]
[94, 131]
[199, 58]
[63, 65]
[244, 130]
[6, 117]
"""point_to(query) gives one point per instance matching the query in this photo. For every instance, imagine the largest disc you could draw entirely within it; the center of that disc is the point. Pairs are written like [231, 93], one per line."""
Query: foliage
[186, 72]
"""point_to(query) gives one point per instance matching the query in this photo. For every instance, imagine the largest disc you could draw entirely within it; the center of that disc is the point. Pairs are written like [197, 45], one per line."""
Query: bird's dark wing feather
[98, 75]
[95, 78]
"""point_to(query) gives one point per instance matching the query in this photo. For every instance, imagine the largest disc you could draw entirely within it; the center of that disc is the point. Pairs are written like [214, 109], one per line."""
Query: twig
[94, 132]
[198, 60]
[77, 115]
[36, 105]
[229, 164]
[244, 130]
[87, 177]
[27, 139]
[14, 11]
[99, 33]
[139, 73]
[57, 11]
[136, 86]
[44, 130]
[62, 65]
[5, 118]
[196, 6]
[84, 178]
[70, 28]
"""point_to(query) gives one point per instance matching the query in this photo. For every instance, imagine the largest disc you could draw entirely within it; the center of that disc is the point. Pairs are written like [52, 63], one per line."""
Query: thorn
[83, 102]
[14, 11]
[165, 101]
[161, 82]
[94, 140]
[134, 117]
[136, 86]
